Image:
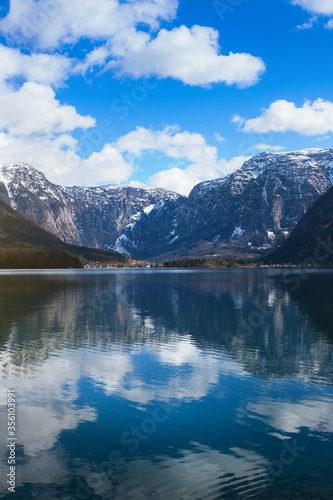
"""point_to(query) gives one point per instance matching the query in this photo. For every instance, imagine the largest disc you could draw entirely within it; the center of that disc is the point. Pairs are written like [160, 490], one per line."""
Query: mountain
[311, 242]
[22, 240]
[253, 208]
[93, 217]
[17, 230]
[250, 210]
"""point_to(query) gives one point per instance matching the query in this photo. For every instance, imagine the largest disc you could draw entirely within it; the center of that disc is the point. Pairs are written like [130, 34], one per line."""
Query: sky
[161, 93]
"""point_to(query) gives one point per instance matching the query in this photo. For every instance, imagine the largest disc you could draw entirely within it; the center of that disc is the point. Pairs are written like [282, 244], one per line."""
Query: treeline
[206, 263]
[37, 258]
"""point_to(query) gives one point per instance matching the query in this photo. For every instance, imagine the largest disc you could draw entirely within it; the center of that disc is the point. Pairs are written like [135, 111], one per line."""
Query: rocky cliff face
[311, 242]
[92, 217]
[257, 206]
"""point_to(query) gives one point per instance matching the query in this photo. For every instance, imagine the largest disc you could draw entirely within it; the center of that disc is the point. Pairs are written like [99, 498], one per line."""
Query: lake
[168, 384]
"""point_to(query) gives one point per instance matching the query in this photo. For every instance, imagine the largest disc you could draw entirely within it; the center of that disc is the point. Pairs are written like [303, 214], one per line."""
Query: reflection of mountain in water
[42, 314]
[314, 297]
[252, 315]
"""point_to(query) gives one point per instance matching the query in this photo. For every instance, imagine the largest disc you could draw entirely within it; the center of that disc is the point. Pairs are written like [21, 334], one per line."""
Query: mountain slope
[256, 206]
[92, 217]
[18, 233]
[311, 242]
[17, 230]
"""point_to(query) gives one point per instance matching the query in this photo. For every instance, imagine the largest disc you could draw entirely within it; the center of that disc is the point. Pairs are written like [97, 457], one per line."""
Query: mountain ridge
[88, 216]
[254, 208]
[257, 206]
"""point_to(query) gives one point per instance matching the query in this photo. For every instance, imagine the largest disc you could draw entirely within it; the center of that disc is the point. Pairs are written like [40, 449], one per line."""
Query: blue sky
[161, 93]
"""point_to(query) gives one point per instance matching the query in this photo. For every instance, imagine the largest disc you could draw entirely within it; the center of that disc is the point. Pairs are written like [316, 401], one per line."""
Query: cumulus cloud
[39, 68]
[40, 133]
[50, 23]
[108, 164]
[323, 7]
[59, 160]
[313, 118]
[33, 109]
[191, 55]
[175, 144]
[183, 180]
[201, 160]
[318, 8]
[36, 128]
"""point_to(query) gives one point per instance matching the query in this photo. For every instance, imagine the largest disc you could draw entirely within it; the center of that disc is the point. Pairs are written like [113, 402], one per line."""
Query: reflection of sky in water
[84, 376]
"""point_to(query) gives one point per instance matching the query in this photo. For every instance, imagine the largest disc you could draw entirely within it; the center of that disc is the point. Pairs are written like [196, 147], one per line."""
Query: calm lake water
[153, 384]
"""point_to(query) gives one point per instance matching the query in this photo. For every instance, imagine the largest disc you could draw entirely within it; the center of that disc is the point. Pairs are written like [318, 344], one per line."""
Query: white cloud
[108, 165]
[323, 7]
[36, 128]
[33, 109]
[218, 137]
[329, 24]
[202, 159]
[309, 24]
[53, 156]
[57, 158]
[313, 118]
[174, 144]
[191, 55]
[266, 147]
[183, 180]
[238, 120]
[39, 68]
[50, 23]
[57, 155]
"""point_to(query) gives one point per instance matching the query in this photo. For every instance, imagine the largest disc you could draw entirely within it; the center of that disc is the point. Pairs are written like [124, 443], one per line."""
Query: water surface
[153, 384]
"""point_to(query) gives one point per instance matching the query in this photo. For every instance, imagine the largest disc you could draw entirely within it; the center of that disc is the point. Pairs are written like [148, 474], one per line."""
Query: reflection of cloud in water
[202, 373]
[197, 473]
[290, 417]
[184, 351]
[45, 408]
[46, 400]
[48, 468]
[46, 403]
[58, 378]
[107, 370]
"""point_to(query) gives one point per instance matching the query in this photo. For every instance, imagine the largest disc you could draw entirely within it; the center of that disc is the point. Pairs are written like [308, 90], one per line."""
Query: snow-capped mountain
[256, 206]
[92, 217]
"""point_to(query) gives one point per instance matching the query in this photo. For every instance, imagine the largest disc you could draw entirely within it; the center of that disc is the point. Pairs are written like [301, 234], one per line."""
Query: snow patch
[173, 240]
[148, 209]
[238, 232]
[118, 247]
